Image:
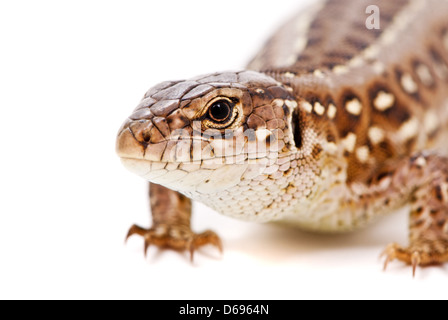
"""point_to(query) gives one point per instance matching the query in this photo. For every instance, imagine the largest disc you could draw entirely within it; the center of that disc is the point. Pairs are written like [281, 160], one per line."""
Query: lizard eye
[220, 114]
[220, 111]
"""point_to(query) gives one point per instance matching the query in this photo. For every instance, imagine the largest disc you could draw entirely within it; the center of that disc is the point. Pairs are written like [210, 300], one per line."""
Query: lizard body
[332, 124]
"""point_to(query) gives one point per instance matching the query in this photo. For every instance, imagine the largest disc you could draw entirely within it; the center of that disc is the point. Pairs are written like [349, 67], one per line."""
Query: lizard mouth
[147, 169]
[196, 163]
[197, 177]
[192, 151]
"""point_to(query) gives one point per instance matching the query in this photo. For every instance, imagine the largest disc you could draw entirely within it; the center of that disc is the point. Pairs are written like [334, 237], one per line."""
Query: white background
[70, 73]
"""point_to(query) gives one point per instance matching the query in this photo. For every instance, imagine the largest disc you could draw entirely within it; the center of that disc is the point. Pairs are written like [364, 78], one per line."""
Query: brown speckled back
[383, 91]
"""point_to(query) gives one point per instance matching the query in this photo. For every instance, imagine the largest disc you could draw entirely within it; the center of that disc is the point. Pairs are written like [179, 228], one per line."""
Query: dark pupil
[220, 110]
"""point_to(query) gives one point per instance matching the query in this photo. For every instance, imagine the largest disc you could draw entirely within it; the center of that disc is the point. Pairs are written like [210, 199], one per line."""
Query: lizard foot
[427, 253]
[175, 237]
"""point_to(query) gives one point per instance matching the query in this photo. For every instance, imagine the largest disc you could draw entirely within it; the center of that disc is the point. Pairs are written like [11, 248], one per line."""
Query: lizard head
[211, 136]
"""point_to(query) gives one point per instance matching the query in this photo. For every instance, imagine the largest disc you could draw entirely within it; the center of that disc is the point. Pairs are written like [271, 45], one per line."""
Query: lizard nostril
[146, 135]
[141, 130]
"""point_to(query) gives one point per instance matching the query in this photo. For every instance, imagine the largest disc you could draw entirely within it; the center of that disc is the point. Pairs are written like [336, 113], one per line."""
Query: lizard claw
[412, 256]
[389, 253]
[415, 261]
[386, 262]
[175, 237]
[147, 243]
[207, 237]
[135, 229]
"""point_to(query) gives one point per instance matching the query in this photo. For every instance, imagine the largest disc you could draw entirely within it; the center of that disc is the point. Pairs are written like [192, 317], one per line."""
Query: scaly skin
[327, 134]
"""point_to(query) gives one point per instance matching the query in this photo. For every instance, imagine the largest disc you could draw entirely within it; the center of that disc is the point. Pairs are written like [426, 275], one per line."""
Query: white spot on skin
[319, 109]
[379, 67]
[354, 107]
[160, 230]
[384, 183]
[424, 75]
[376, 135]
[349, 142]
[362, 154]
[318, 73]
[408, 83]
[421, 162]
[409, 129]
[262, 134]
[291, 104]
[259, 91]
[331, 113]
[430, 122]
[331, 147]
[278, 103]
[340, 69]
[356, 62]
[383, 101]
[174, 233]
[305, 105]
[371, 52]
[289, 75]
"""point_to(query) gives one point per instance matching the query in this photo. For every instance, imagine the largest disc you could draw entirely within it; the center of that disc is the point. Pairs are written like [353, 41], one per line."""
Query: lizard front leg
[171, 215]
[425, 180]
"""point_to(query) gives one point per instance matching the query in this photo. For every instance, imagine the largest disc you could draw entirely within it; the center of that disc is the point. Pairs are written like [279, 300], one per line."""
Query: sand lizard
[332, 124]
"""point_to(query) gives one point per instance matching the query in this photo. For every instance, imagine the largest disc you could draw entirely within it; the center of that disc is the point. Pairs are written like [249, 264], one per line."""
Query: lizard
[334, 123]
